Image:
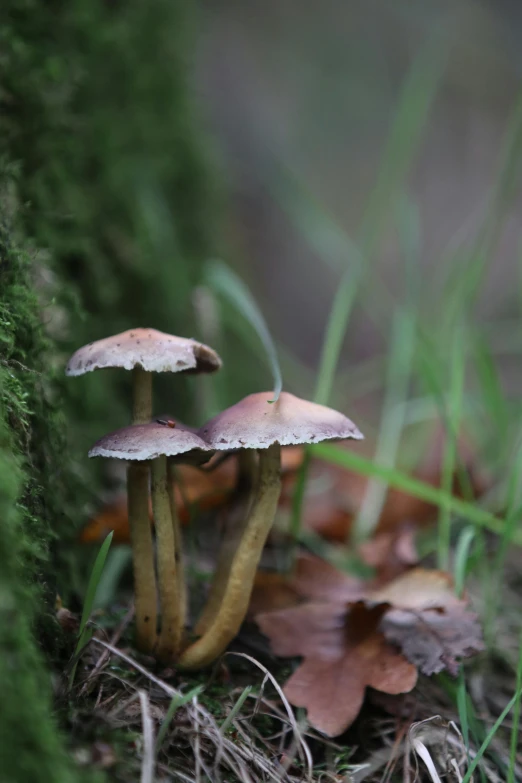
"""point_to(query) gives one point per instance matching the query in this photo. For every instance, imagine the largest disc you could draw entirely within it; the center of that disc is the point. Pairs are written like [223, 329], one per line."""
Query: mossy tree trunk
[104, 225]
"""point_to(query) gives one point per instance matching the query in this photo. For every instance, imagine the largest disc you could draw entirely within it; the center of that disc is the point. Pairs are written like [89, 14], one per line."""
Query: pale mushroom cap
[147, 348]
[148, 441]
[255, 423]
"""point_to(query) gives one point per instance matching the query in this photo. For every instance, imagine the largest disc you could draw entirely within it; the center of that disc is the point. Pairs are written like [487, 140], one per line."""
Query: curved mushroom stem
[178, 543]
[236, 597]
[170, 634]
[145, 598]
[235, 528]
[141, 396]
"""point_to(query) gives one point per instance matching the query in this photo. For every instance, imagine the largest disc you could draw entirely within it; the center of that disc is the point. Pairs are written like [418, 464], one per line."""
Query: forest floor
[140, 721]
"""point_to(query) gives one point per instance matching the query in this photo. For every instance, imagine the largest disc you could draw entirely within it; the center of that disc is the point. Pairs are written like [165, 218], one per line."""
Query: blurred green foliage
[112, 172]
[108, 213]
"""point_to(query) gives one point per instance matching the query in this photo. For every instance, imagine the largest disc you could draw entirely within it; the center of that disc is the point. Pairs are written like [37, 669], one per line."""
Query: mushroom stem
[178, 543]
[145, 598]
[141, 396]
[170, 634]
[236, 597]
[241, 503]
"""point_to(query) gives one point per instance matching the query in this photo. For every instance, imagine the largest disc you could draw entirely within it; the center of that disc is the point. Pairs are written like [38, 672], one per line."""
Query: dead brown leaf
[418, 589]
[434, 640]
[357, 636]
[430, 624]
[344, 653]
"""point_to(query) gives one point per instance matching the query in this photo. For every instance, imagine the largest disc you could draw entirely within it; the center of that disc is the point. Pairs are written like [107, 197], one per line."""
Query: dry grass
[122, 702]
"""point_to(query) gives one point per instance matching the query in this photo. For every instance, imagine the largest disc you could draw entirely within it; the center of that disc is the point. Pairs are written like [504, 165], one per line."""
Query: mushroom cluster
[256, 427]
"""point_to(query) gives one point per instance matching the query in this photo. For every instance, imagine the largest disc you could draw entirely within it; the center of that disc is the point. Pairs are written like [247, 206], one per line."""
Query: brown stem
[235, 529]
[170, 635]
[236, 597]
[145, 598]
[141, 396]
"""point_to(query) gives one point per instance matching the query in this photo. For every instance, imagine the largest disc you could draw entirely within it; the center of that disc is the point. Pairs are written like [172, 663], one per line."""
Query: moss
[30, 745]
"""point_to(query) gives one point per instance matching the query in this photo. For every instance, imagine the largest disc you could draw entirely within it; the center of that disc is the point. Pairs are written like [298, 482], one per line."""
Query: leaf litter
[372, 634]
[378, 638]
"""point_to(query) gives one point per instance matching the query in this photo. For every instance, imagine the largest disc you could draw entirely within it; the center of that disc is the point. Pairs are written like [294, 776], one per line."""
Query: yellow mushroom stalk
[141, 445]
[235, 598]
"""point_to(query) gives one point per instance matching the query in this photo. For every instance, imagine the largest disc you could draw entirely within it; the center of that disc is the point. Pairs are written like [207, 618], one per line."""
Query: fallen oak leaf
[414, 622]
[417, 589]
[344, 653]
[427, 621]
[434, 640]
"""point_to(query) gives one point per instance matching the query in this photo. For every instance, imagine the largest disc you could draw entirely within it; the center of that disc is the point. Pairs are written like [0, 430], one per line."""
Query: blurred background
[302, 98]
[378, 139]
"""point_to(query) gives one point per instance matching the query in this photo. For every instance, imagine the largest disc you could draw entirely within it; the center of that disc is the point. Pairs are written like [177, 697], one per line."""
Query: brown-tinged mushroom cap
[149, 349]
[256, 423]
[148, 441]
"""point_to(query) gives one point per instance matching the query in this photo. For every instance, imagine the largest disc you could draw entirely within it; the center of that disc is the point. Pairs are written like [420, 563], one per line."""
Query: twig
[156, 680]
[147, 764]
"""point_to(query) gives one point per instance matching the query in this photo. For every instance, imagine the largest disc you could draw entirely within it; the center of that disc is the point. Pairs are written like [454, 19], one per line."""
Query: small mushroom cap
[148, 441]
[255, 423]
[147, 348]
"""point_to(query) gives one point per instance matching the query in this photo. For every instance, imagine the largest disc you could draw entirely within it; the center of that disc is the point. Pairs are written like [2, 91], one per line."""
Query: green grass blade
[493, 398]
[227, 284]
[117, 562]
[227, 723]
[449, 462]
[94, 581]
[85, 633]
[340, 312]
[462, 707]
[175, 704]
[491, 733]
[419, 489]
[515, 729]
[462, 551]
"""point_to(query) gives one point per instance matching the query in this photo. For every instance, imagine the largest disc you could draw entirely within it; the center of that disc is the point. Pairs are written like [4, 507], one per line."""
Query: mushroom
[143, 351]
[140, 444]
[255, 423]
